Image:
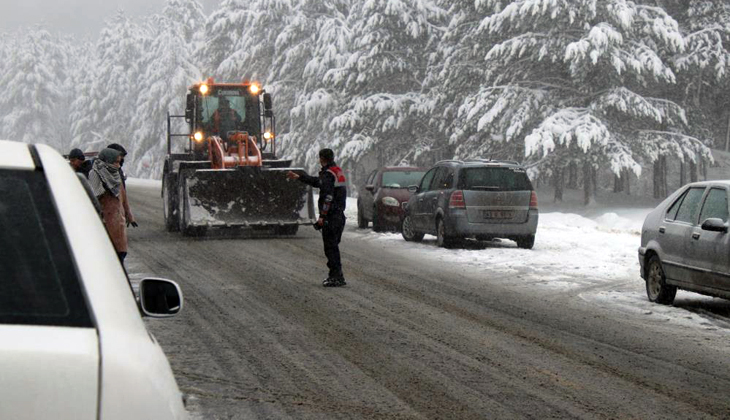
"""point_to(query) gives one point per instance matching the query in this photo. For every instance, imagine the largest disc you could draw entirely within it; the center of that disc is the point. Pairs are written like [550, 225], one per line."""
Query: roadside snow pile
[570, 250]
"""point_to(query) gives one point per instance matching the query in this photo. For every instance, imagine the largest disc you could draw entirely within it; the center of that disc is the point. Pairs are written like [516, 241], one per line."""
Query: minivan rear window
[38, 280]
[494, 179]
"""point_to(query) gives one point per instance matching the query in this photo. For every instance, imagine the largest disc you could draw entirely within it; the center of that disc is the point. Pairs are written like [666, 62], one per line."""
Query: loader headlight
[390, 201]
[198, 136]
[254, 89]
[268, 136]
[203, 88]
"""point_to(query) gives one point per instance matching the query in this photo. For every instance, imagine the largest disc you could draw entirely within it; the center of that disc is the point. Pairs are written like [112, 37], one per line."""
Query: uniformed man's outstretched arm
[309, 180]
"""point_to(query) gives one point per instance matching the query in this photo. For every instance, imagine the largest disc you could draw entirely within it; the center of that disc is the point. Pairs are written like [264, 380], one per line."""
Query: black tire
[657, 289]
[184, 216]
[362, 222]
[442, 236]
[408, 232]
[526, 242]
[377, 226]
[170, 206]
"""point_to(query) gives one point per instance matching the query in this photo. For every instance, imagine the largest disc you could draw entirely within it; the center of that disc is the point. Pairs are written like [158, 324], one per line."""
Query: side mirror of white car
[160, 298]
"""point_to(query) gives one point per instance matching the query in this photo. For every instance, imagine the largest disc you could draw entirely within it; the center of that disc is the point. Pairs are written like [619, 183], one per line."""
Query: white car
[73, 345]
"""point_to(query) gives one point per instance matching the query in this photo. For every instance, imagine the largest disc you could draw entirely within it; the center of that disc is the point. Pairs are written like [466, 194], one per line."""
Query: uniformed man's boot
[335, 281]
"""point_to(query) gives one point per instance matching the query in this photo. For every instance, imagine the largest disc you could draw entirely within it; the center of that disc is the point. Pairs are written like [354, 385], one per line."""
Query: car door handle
[695, 236]
[662, 229]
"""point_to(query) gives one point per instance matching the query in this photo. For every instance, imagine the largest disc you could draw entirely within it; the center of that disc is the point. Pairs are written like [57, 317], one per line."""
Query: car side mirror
[370, 188]
[714, 225]
[413, 189]
[160, 298]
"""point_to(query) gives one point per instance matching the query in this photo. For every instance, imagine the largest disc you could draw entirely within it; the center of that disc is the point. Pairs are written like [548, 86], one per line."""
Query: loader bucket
[244, 197]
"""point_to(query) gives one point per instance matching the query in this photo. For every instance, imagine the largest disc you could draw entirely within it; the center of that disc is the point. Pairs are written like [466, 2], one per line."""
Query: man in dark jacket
[332, 201]
[78, 161]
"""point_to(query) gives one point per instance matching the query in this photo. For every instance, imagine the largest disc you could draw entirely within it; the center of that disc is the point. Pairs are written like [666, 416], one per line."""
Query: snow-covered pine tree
[704, 67]
[168, 71]
[319, 33]
[588, 74]
[456, 74]
[116, 83]
[257, 24]
[82, 112]
[34, 82]
[383, 81]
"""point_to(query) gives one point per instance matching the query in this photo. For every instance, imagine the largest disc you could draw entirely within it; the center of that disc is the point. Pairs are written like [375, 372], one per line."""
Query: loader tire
[170, 199]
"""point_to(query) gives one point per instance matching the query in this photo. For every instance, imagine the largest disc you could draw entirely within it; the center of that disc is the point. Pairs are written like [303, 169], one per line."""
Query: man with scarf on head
[127, 210]
[106, 183]
[332, 201]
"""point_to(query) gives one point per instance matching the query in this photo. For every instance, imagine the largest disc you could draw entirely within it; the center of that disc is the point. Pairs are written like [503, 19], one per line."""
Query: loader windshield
[225, 110]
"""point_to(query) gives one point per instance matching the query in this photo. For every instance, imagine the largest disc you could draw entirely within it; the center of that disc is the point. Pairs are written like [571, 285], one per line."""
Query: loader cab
[219, 109]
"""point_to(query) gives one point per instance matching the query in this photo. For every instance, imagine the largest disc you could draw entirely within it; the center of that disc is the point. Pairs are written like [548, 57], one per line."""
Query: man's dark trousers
[331, 235]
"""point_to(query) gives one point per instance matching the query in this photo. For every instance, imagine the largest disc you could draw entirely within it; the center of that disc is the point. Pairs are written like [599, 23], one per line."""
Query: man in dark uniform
[332, 201]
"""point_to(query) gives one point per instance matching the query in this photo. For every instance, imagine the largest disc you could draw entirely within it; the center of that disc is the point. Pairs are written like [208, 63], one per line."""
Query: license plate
[498, 214]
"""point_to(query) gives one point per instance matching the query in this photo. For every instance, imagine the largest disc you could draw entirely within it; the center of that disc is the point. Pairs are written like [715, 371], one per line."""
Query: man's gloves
[133, 223]
[319, 224]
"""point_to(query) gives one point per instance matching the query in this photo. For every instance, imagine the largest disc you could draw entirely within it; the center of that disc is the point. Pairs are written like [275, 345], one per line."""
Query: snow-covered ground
[594, 259]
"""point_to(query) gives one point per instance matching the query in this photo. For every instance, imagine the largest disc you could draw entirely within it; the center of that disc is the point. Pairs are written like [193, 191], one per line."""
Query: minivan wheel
[526, 242]
[657, 289]
[442, 239]
[408, 232]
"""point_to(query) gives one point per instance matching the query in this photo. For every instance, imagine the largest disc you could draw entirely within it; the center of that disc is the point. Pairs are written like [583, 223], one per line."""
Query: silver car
[481, 199]
[685, 243]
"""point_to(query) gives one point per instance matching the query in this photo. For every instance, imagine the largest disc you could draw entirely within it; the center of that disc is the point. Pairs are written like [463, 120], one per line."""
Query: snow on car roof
[15, 155]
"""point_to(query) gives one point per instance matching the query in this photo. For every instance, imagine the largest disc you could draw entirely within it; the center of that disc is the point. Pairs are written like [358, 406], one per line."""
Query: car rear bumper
[460, 226]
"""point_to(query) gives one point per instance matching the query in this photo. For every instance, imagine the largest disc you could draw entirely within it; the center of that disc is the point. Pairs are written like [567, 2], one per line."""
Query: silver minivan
[685, 243]
[481, 199]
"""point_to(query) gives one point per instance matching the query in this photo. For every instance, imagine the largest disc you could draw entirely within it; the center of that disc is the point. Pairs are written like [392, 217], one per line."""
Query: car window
[688, 209]
[438, 179]
[443, 179]
[715, 205]
[494, 179]
[401, 179]
[426, 180]
[672, 212]
[38, 280]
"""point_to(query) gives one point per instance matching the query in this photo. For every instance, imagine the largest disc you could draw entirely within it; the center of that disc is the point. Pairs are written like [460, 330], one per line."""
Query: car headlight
[390, 201]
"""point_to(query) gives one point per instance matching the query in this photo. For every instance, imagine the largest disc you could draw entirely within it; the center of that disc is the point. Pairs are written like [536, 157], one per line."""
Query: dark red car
[381, 198]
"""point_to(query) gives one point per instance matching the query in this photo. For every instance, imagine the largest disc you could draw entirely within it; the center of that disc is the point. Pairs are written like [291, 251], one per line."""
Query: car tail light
[533, 200]
[457, 200]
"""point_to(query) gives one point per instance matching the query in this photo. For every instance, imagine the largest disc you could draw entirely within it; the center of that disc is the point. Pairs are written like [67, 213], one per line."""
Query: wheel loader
[229, 179]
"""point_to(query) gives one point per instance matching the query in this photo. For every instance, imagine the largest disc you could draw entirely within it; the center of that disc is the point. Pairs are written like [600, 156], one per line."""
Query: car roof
[401, 168]
[480, 162]
[719, 182]
[15, 155]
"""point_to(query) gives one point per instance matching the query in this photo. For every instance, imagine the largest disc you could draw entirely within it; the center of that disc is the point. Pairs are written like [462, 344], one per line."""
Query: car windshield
[401, 179]
[495, 179]
[217, 101]
[38, 280]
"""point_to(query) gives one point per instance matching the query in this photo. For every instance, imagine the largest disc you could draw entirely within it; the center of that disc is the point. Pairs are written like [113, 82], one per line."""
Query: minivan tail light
[457, 200]
[533, 200]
